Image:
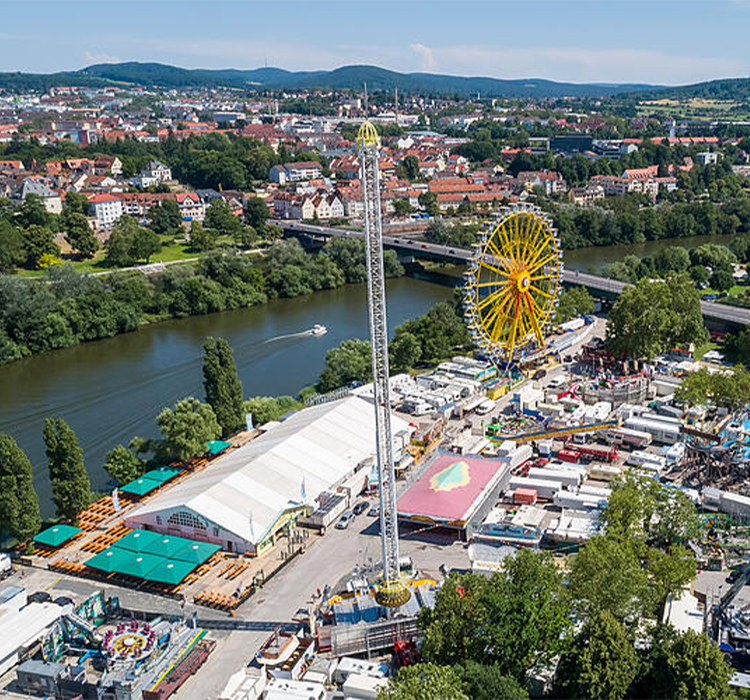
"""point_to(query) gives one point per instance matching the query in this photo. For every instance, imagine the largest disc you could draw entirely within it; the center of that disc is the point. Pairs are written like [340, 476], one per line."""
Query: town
[373, 385]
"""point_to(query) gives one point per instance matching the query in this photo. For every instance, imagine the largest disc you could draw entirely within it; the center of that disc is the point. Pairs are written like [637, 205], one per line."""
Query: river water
[111, 390]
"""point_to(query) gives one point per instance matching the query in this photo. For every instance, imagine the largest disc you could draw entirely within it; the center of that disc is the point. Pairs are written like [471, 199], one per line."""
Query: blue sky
[669, 42]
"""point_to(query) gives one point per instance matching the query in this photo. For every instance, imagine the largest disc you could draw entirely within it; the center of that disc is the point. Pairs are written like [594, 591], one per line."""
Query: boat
[317, 329]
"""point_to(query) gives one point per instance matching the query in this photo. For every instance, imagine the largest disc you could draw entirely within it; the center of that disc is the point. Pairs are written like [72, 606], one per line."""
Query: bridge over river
[406, 246]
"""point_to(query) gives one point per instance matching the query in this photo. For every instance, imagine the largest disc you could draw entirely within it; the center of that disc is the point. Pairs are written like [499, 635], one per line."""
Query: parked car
[361, 507]
[540, 374]
[345, 520]
[374, 512]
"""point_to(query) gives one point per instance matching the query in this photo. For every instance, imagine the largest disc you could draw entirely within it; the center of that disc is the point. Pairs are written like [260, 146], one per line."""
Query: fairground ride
[512, 283]
[392, 590]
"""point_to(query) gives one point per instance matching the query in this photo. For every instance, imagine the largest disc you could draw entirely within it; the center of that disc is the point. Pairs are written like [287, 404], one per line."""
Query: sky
[647, 41]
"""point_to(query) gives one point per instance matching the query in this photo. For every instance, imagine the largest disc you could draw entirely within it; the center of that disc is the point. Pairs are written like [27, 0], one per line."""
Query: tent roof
[247, 490]
[56, 535]
[110, 560]
[196, 552]
[138, 564]
[137, 540]
[170, 571]
[166, 546]
[217, 446]
[140, 487]
[161, 474]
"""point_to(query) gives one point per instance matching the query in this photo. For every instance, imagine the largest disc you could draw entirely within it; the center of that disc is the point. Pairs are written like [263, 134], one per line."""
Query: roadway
[409, 246]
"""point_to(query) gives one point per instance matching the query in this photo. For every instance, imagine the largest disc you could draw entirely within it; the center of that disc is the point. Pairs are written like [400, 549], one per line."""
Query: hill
[351, 77]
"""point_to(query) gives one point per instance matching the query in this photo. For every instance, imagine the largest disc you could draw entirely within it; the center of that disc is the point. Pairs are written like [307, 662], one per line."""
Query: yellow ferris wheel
[512, 284]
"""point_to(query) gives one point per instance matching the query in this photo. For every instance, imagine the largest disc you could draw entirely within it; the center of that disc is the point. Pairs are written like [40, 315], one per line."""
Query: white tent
[246, 491]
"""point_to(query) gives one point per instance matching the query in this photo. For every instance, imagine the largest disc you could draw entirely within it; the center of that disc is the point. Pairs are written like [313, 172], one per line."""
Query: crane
[391, 591]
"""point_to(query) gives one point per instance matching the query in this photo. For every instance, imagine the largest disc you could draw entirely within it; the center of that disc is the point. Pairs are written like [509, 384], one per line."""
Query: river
[111, 390]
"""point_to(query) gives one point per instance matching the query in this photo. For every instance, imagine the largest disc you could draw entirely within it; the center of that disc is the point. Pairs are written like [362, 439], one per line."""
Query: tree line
[66, 308]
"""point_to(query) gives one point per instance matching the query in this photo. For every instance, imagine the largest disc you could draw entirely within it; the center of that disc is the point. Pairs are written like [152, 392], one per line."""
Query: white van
[557, 381]
[486, 407]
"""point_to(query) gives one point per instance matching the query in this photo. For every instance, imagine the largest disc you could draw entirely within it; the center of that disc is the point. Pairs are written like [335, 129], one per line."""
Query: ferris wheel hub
[523, 282]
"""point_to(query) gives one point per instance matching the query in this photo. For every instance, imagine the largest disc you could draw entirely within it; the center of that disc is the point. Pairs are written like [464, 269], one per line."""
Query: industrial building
[454, 492]
[247, 498]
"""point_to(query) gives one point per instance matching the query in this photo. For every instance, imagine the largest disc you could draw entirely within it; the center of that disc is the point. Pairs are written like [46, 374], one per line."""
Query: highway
[406, 245]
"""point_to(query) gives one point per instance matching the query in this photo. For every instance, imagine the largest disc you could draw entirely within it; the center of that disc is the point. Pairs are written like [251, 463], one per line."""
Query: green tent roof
[140, 487]
[217, 446]
[137, 540]
[138, 564]
[161, 474]
[110, 560]
[166, 546]
[170, 571]
[196, 552]
[56, 535]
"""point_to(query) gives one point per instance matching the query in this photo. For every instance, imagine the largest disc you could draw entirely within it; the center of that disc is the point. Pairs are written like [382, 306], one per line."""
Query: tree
[256, 213]
[729, 389]
[573, 302]
[527, 614]
[220, 218]
[425, 681]
[19, 503]
[34, 213]
[201, 239]
[122, 465]
[75, 203]
[71, 488]
[346, 363]
[188, 427]
[411, 167]
[12, 251]
[429, 202]
[120, 243]
[80, 236]
[722, 280]
[145, 244]
[699, 275]
[404, 351]
[38, 241]
[602, 662]
[165, 218]
[401, 207]
[268, 408]
[222, 386]
[653, 316]
[488, 683]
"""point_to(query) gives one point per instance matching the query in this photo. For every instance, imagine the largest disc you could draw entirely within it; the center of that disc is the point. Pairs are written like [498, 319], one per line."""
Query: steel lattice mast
[392, 591]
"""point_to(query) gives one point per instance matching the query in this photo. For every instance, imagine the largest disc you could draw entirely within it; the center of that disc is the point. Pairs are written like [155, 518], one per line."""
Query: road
[710, 309]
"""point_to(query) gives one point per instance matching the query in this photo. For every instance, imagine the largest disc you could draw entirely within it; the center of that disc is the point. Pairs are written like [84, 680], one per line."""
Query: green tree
[188, 427]
[165, 218]
[401, 207]
[699, 275]
[527, 614]
[145, 244]
[71, 488]
[119, 245]
[76, 203]
[122, 465]
[729, 389]
[404, 351]
[601, 663]
[80, 236]
[33, 213]
[220, 218]
[411, 167]
[19, 504]
[201, 239]
[346, 363]
[223, 387]
[256, 213]
[488, 683]
[429, 202]
[12, 252]
[425, 681]
[573, 302]
[268, 408]
[653, 316]
[722, 280]
[37, 242]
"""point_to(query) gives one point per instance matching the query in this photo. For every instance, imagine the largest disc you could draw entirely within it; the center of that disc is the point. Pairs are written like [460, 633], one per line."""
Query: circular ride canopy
[512, 284]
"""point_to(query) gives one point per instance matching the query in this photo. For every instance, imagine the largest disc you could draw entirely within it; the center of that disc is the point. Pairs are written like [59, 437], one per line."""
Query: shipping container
[569, 456]
[525, 496]
[544, 488]
[578, 501]
[563, 476]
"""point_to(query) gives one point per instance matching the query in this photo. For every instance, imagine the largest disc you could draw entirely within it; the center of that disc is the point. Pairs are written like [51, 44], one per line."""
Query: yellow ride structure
[512, 284]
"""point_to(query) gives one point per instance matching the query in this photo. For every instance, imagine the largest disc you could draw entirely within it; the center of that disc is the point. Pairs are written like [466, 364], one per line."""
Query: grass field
[696, 107]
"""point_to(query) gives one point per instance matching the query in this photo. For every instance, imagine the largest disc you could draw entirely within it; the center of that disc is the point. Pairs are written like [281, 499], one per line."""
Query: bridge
[410, 247]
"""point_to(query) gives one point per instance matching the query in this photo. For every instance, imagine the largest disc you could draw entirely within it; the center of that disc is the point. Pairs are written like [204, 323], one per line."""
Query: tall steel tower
[391, 591]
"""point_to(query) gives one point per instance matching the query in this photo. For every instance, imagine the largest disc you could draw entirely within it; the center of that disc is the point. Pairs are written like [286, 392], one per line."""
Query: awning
[161, 474]
[137, 540]
[110, 560]
[196, 552]
[138, 564]
[140, 487]
[216, 447]
[170, 571]
[166, 546]
[56, 535]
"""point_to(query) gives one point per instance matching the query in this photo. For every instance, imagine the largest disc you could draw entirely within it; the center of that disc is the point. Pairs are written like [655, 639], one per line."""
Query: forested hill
[352, 77]
[737, 89]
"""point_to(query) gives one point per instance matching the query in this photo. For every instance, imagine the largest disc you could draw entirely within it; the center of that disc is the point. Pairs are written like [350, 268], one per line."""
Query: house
[587, 195]
[345, 167]
[191, 206]
[104, 165]
[295, 172]
[107, 209]
[708, 158]
[51, 199]
[158, 171]
[550, 181]
[10, 165]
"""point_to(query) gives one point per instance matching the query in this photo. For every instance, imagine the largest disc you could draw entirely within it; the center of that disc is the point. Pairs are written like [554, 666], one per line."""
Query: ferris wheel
[512, 284]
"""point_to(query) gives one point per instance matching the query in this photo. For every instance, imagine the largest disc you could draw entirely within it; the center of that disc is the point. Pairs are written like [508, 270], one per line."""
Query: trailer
[567, 477]
[579, 501]
[569, 456]
[545, 489]
[597, 452]
[665, 432]
[604, 472]
[647, 460]
[629, 437]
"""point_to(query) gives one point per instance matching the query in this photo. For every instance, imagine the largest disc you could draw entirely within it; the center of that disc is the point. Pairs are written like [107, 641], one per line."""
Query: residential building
[587, 195]
[295, 172]
[107, 209]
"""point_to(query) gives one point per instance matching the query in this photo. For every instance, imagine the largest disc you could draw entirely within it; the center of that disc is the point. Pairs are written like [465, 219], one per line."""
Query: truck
[648, 460]
[567, 477]
[569, 455]
[629, 437]
[487, 406]
[661, 431]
